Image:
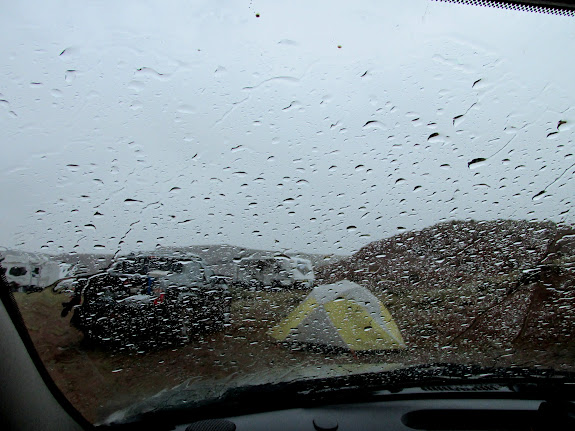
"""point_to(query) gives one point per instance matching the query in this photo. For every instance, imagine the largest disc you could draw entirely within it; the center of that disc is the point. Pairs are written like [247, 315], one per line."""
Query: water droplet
[68, 53]
[476, 163]
[220, 71]
[538, 196]
[186, 109]
[288, 42]
[149, 72]
[294, 104]
[70, 76]
[373, 124]
[135, 106]
[433, 135]
[482, 186]
[136, 86]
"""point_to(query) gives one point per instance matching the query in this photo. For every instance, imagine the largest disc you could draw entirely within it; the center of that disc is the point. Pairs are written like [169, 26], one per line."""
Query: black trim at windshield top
[552, 7]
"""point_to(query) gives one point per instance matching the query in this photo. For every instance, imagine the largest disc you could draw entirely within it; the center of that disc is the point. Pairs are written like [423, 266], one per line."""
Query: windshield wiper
[182, 404]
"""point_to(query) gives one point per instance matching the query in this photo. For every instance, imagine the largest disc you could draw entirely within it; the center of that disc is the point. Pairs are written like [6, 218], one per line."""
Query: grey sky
[130, 124]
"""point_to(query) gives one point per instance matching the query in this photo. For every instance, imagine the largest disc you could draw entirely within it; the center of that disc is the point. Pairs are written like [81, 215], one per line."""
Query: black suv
[149, 301]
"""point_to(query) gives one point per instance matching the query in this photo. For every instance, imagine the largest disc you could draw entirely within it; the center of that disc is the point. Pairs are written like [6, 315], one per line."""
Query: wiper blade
[182, 405]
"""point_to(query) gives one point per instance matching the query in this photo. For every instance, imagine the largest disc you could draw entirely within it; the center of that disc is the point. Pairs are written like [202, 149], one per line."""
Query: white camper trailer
[275, 271]
[26, 272]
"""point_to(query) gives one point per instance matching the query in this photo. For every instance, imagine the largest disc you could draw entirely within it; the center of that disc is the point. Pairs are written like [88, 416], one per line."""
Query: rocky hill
[458, 252]
[503, 287]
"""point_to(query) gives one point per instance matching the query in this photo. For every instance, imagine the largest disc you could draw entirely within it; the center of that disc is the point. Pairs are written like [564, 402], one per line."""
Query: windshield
[364, 186]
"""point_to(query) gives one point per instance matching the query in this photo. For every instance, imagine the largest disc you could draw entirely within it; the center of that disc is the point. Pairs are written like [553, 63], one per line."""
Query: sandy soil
[99, 382]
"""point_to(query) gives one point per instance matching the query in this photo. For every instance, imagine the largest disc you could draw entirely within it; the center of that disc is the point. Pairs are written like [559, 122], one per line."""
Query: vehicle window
[17, 271]
[303, 268]
[195, 270]
[177, 267]
[208, 273]
[213, 195]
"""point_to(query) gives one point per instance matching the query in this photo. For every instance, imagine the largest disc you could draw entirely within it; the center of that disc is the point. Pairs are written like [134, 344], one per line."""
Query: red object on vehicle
[159, 299]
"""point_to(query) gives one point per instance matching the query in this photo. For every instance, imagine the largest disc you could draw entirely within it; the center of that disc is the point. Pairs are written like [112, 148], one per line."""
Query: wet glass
[189, 179]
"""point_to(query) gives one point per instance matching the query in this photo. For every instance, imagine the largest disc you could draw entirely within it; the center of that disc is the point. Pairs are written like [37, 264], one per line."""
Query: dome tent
[341, 315]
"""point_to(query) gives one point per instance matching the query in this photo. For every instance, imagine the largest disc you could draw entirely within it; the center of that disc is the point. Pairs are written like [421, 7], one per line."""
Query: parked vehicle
[275, 272]
[145, 301]
[31, 272]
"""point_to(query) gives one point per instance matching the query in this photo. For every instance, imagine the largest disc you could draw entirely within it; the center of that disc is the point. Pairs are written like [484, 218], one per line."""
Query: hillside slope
[467, 285]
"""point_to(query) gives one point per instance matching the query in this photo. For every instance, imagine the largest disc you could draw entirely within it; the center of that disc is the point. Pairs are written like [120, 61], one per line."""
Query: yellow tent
[343, 315]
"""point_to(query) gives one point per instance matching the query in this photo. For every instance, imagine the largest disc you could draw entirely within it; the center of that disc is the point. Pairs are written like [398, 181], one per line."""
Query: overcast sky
[315, 127]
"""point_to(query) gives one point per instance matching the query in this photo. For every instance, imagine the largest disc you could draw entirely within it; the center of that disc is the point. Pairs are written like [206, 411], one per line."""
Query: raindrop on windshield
[476, 163]
[373, 124]
[539, 195]
[70, 76]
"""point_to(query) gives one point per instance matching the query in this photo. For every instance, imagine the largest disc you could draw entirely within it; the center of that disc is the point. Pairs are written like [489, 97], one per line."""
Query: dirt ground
[99, 382]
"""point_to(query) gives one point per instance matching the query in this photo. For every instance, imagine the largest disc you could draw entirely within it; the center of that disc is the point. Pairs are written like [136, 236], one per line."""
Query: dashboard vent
[461, 388]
